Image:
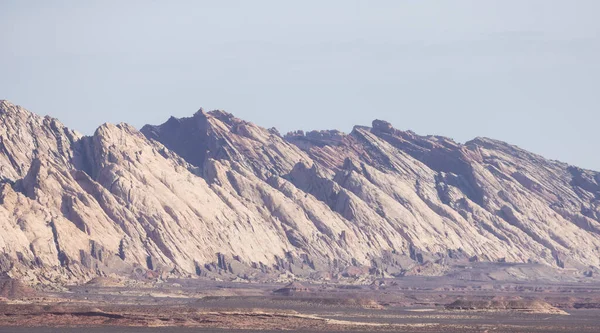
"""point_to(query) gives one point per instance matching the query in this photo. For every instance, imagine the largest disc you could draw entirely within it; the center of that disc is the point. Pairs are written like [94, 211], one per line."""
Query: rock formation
[498, 304]
[213, 195]
[291, 289]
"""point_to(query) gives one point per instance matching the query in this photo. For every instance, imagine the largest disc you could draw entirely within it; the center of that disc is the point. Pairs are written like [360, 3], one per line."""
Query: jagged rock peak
[317, 136]
[383, 126]
[488, 142]
[357, 128]
[14, 110]
[6, 104]
[9, 109]
[295, 134]
[223, 116]
[199, 113]
[219, 135]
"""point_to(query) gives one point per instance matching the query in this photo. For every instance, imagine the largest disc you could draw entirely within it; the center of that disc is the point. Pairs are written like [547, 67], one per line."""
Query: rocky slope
[213, 195]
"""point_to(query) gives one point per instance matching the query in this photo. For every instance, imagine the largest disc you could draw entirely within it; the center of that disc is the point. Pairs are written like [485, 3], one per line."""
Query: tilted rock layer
[213, 194]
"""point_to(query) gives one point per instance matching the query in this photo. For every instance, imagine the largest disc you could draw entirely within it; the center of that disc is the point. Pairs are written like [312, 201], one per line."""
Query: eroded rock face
[213, 195]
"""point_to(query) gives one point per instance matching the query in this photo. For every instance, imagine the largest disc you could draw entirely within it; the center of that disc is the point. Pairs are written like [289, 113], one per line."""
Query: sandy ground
[399, 305]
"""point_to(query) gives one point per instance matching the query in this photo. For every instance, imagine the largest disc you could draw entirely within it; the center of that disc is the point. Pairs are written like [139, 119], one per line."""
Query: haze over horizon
[523, 72]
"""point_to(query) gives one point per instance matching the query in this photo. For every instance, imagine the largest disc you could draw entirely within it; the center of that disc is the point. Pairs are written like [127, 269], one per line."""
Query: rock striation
[215, 196]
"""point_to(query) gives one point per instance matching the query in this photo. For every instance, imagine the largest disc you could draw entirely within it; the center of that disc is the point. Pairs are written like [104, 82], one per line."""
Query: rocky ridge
[215, 196]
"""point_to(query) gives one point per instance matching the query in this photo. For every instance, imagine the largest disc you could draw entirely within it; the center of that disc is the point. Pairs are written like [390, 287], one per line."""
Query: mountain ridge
[215, 196]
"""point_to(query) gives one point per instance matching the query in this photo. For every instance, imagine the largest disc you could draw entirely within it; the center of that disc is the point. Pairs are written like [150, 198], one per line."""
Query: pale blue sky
[526, 72]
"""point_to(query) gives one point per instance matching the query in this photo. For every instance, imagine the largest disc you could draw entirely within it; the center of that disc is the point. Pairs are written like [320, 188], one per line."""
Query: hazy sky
[526, 72]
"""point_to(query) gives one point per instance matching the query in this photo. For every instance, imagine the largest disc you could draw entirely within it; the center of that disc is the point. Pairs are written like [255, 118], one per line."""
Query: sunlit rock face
[212, 195]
